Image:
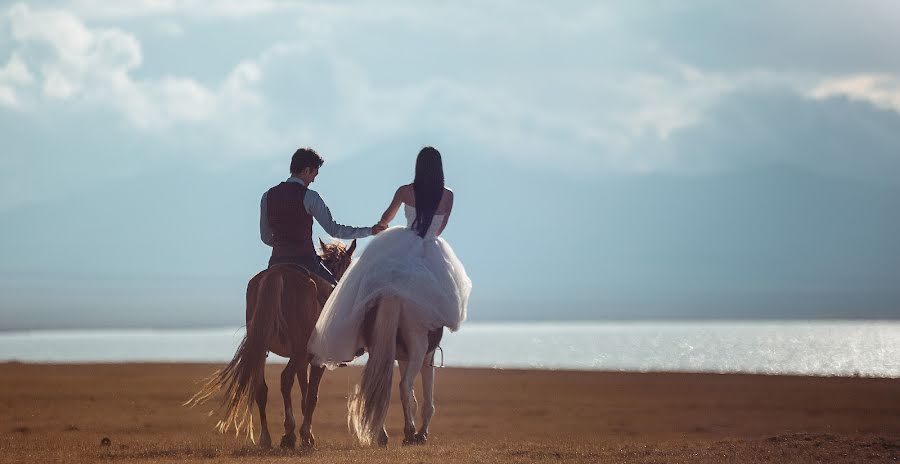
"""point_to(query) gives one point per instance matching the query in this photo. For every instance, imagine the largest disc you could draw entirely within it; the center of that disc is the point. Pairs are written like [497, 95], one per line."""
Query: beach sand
[60, 413]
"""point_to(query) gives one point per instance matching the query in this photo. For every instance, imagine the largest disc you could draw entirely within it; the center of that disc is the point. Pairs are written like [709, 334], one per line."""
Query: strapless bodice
[410, 212]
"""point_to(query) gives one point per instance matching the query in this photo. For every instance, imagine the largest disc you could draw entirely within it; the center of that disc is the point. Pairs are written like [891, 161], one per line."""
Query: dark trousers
[312, 264]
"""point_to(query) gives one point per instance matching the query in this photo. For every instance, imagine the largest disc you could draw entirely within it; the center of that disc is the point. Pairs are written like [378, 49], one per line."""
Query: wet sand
[60, 413]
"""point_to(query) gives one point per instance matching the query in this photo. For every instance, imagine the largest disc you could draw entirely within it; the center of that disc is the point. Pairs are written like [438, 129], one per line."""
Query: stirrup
[442, 357]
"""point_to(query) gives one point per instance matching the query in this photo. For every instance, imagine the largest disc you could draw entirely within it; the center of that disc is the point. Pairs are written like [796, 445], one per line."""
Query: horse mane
[332, 252]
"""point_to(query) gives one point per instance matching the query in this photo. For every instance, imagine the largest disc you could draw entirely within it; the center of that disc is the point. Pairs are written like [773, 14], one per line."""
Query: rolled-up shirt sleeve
[265, 230]
[316, 207]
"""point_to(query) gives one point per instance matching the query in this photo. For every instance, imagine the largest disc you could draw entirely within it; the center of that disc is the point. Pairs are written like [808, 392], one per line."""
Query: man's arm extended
[265, 231]
[316, 207]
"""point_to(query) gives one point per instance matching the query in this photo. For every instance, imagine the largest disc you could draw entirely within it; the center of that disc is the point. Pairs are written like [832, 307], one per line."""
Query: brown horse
[283, 305]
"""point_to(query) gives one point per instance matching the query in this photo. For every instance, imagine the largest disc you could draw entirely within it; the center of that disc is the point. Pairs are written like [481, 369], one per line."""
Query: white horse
[391, 333]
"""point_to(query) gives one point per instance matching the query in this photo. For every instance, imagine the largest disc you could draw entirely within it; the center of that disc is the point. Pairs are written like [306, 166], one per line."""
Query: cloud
[75, 88]
[880, 90]
[328, 83]
[101, 9]
[170, 29]
[14, 74]
[592, 83]
[774, 34]
[78, 61]
[96, 66]
[61, 30]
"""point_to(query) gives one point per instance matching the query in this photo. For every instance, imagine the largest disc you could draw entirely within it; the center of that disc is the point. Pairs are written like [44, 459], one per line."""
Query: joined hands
[378, 228]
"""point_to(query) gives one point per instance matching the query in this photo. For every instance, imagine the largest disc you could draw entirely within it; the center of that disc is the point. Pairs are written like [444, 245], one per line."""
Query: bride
[412, 263]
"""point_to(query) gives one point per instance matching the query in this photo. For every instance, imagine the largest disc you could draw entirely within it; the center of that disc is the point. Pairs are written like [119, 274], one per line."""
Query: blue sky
[658, 159]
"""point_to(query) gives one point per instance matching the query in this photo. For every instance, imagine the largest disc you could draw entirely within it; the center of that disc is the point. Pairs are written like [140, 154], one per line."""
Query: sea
[809, 348]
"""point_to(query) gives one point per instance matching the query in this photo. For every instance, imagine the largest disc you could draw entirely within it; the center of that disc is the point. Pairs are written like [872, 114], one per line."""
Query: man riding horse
[286, 217]
[284, 303]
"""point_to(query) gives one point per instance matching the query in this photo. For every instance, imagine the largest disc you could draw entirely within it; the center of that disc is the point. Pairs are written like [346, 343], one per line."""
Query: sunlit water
[806, 348]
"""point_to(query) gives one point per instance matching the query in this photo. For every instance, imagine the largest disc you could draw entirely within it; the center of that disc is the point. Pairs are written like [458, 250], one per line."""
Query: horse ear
[352, 247]
[321, 244]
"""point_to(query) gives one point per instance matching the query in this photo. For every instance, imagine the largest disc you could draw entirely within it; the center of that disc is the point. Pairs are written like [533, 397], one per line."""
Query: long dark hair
[428, 187]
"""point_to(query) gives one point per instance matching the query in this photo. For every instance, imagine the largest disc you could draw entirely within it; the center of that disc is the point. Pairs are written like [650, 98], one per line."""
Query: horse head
[336, 257]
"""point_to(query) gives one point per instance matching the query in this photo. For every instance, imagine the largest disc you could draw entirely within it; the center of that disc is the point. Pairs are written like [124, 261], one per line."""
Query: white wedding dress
[424, 272]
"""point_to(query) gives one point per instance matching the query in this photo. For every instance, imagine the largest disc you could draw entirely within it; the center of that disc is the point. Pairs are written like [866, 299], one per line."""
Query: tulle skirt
[424, 272]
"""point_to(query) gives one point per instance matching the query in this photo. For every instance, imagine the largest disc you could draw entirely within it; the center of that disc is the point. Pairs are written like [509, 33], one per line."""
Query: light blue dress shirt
[317, 208]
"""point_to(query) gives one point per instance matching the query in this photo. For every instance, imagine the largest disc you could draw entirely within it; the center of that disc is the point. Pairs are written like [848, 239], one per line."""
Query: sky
[656, 159]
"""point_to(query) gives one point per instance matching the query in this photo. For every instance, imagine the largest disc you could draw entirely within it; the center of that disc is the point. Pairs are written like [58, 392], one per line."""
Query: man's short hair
[305, 158]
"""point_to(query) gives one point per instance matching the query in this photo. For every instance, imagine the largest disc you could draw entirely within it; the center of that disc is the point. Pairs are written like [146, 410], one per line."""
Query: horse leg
[408, 430]
[262, 393]
[303, 379]
[416, 344]
[304, 385]
[287, 384]
[312, 398]
[428, 392]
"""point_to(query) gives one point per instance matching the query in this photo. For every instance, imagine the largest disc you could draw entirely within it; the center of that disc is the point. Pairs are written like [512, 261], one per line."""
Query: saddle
[298, 270]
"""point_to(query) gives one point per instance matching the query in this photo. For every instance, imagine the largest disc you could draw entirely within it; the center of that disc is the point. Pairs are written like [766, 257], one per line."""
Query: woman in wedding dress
[412, 263]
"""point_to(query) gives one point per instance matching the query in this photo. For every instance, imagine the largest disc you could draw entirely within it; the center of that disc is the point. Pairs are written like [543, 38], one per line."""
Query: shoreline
[281, 362]
[820, 349]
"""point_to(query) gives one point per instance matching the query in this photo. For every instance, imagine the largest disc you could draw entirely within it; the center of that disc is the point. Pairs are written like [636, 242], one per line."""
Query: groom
[286, 213]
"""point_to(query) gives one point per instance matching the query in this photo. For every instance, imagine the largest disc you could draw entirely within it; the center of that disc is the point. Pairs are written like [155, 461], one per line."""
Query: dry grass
[60, 413]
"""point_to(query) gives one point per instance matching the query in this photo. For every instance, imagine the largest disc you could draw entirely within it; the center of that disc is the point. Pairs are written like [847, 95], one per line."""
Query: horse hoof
[288, 441]
[417, 439]
[307, 439]
[265, 442]
[383, 441]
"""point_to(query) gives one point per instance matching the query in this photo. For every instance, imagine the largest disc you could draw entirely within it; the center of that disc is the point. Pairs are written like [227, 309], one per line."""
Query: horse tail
[369, 401]
[243, 376]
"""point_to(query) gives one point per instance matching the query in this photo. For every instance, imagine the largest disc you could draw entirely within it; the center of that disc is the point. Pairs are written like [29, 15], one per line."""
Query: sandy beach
[60, 413]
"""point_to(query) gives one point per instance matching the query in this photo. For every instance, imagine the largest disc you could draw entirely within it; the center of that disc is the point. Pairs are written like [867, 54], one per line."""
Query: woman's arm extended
[392, 209]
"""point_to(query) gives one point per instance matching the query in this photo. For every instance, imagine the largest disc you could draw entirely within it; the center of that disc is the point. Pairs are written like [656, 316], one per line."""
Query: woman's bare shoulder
[406, 193]
[446, 203]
